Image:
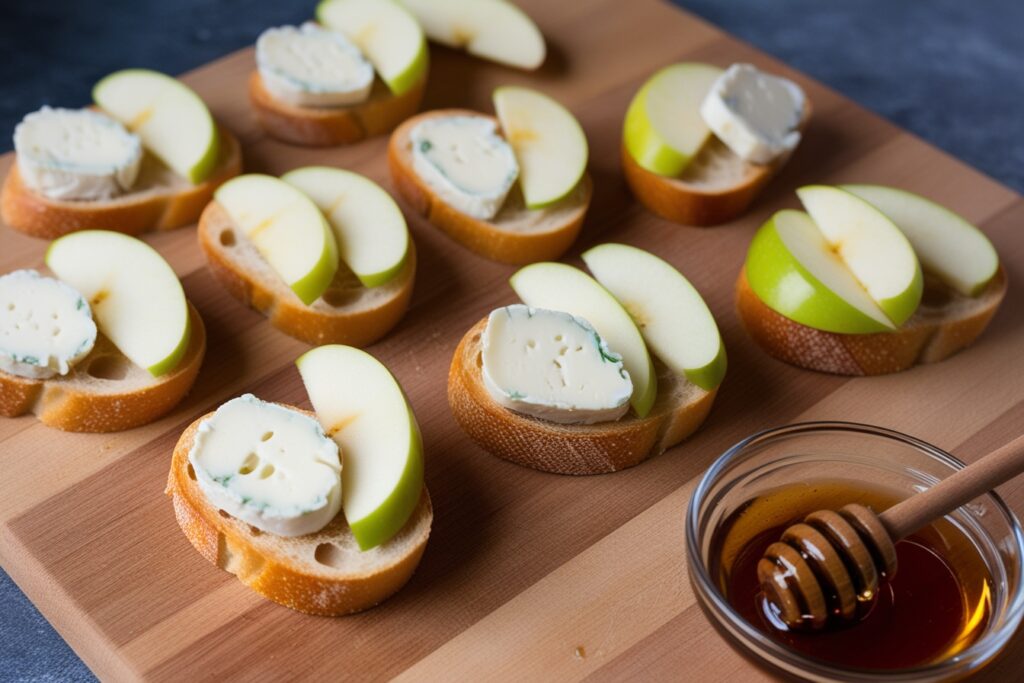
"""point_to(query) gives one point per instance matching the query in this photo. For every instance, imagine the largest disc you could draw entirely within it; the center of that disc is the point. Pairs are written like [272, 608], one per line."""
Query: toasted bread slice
[326, 126]
[105, 392]
[714, 188]
[943, 324]
[347, 313]
[322, 573]
[517, 235]
[160, 200]
[678, 411]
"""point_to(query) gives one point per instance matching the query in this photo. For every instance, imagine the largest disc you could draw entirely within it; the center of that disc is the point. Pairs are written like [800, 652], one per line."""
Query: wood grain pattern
[527, 575]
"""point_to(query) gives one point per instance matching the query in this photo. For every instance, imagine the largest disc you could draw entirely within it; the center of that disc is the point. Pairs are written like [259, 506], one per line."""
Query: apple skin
[206, 164]
[645, 144]
[388, 518]
[412, 74]
[787, 287]
[171, 360]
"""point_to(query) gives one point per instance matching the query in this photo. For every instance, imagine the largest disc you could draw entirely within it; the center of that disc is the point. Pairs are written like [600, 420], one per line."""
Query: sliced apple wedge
[559, 287]
[173, 122]
[361, 406]
[671, 315]
[387, 33]
[548, 143]
[136, 298]
[794, 270]
[948, 246]
[372, 237]
[871, 246]
[492, 29]
[664, 129]
[287, 228]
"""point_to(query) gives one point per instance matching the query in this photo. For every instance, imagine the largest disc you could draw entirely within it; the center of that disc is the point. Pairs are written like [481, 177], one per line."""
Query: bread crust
[698, 197]
[329, 126]
[948, 323]
[360, 317]
[510, 237]
[84, 402]
[162, 202]
[319, 587]
[678, 411]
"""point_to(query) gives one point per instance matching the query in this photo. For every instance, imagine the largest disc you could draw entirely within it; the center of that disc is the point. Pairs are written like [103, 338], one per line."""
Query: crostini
[357, 73]
[513, 189]
[107, 344]
[565, 382]
[700, 143]
[870, 280]
[148, 156]
[324, 253]
[325, 512]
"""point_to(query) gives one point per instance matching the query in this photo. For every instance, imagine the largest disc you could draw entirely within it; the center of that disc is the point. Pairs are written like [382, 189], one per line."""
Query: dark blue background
[951, 71]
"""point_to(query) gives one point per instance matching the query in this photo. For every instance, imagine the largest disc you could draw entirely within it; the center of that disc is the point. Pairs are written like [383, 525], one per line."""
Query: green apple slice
[372, 237]
[387, 33]
[172, 121]
[361, 406]
[796, 272]
[870, 245]
[663, 129]
[948, 246]
[136, 298]
[548, 143]
[492, 29]
[671, 315]
[287, 228]
[559, 287]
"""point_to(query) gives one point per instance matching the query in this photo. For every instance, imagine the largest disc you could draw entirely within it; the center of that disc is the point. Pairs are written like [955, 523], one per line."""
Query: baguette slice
[323, 573]
[347, 313]
[715, 187]
[327, 126]
[678, 411]
[516, 235]
[160, 200]
[943, 324]
[105, 392]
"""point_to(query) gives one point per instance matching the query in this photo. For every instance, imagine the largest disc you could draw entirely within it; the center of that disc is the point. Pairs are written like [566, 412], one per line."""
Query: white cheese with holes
[310, 66]
[755, 114]
[554, 366]
[76, 154]
[46, 326]
[269, 466]
[466, 162]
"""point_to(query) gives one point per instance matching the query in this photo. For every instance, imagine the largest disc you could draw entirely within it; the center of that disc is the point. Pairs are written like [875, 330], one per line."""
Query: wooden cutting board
[527, 575]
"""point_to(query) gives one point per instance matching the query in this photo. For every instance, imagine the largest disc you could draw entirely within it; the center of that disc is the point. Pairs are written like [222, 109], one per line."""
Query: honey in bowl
[936, 605]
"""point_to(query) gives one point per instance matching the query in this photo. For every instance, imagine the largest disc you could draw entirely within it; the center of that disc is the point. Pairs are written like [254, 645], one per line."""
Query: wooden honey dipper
[851, 549]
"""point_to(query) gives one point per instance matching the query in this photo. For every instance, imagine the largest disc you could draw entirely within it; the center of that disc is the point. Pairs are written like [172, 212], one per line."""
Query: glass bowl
[839, 450]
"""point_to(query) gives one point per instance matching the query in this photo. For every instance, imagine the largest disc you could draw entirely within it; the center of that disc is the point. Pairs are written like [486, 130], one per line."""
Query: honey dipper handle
[976, 479]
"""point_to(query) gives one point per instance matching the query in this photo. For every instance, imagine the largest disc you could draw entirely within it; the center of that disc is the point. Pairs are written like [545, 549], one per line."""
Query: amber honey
[937, 604]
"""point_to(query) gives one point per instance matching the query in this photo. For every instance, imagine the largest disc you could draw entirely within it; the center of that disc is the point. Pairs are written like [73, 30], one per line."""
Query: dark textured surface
[948, 70]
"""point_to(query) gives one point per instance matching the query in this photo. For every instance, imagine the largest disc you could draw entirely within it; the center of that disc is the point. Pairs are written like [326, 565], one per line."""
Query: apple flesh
[948, 246]
[287, 228]
[492, 29]
[675, 322]
[871, 246]
[372, 237]
[361, 406]
[548, 142]
[136, 298]
[559, 287]
[664, 129]
[796, 272]
[386, 33]
[172, 121]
